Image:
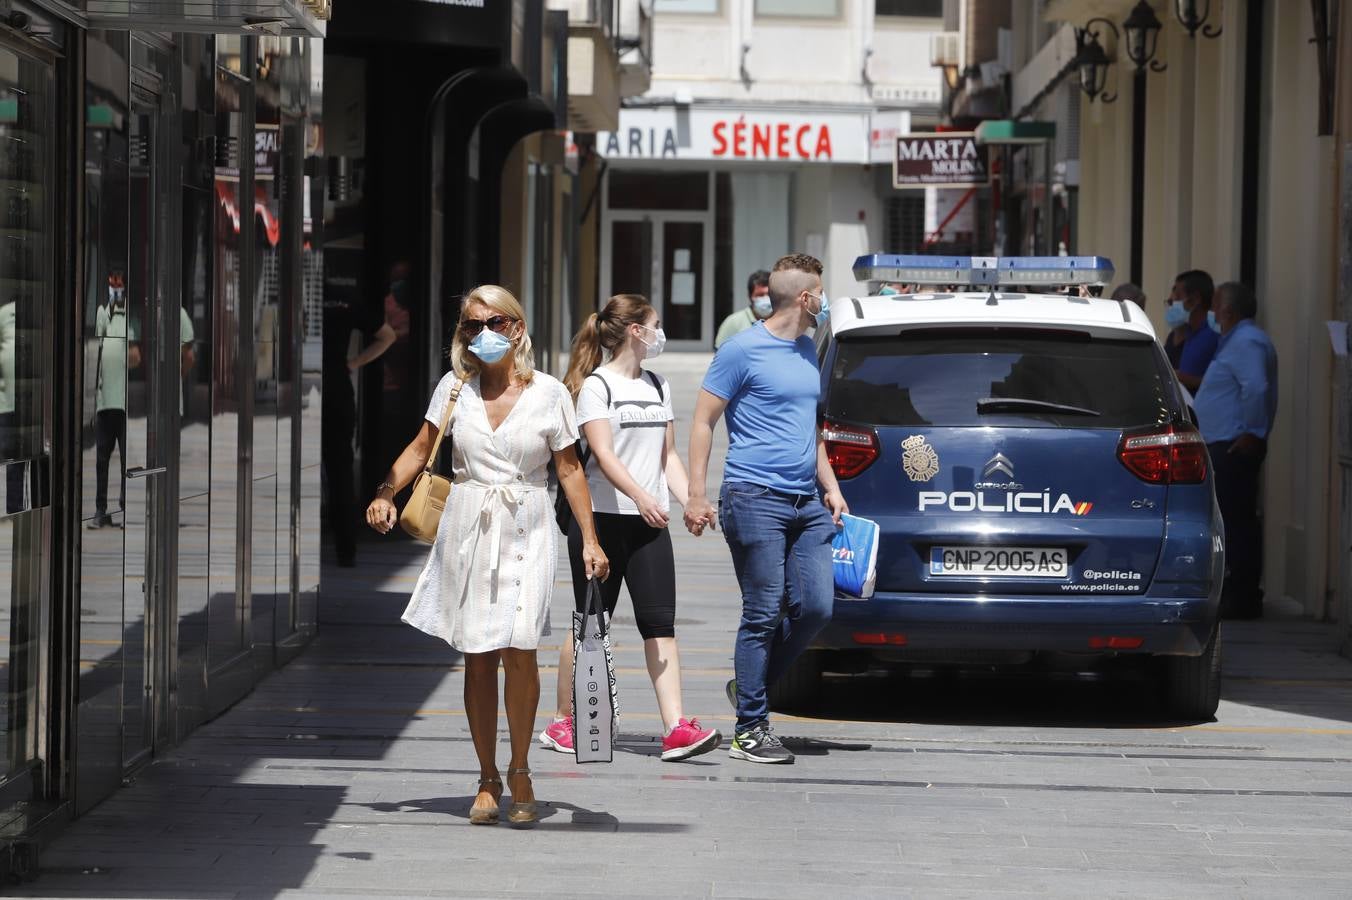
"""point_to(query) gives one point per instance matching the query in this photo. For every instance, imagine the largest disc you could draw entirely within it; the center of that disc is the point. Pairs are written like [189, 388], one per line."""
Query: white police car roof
[907, 312]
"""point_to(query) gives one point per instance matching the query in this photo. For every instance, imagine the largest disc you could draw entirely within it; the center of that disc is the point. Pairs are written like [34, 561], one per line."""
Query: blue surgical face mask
[888, 291]
[762, 306]
[1211, 322]
[823, 313]
[1175, 314]
[489, 346]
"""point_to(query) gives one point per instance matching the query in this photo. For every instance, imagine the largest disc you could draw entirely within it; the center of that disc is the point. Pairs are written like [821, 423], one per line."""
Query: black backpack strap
[657, 383]
[605, 384]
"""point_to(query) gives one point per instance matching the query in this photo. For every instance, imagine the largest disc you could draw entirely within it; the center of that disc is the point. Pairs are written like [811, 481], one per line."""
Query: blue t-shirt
[1195, 353]
[772, 387]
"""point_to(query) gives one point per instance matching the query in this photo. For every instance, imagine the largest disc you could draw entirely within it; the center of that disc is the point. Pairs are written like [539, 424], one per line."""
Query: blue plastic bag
[854, 556]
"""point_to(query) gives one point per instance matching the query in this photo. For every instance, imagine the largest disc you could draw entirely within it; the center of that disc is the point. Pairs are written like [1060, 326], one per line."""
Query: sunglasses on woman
[472, 327]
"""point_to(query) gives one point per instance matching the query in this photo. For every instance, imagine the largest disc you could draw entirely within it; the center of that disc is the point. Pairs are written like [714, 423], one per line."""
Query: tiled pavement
[350, 773]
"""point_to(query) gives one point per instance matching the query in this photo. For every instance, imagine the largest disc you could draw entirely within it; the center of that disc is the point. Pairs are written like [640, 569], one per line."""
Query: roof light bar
[984, 271]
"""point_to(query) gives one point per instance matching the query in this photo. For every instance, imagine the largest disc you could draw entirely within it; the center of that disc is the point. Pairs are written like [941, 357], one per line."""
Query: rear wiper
[1026, 404]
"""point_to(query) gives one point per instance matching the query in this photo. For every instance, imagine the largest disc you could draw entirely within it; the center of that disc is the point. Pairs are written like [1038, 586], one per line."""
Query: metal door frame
[658, 218]
[148, 94]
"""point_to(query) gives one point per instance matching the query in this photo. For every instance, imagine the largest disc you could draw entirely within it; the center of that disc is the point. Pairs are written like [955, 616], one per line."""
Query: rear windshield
[997, 377]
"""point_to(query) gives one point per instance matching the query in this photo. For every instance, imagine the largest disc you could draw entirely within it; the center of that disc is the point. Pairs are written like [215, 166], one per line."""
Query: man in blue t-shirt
[1191, 343]
[766, 380]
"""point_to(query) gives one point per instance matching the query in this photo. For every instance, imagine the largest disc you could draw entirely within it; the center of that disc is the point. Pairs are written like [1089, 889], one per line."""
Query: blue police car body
[1037, 477]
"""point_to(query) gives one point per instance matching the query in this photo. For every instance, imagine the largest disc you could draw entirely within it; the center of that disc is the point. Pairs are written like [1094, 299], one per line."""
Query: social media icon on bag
[593, 701]
[591, 686]
[594, 730]
[596, 745]
[593, 714]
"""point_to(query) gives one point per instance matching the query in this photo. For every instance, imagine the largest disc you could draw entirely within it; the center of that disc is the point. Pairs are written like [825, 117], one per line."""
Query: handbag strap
[441, 432]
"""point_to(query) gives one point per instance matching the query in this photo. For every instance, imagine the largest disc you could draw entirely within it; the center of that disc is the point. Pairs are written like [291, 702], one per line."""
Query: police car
[1040, 483]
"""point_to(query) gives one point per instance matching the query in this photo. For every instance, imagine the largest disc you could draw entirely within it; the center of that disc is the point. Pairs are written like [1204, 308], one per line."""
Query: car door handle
[142, 472]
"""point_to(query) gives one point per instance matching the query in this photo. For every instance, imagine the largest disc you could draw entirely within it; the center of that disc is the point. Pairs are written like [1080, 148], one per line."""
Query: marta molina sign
[947, 159]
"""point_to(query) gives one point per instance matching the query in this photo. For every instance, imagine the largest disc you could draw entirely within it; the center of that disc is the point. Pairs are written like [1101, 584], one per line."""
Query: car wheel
[1193, 683]
[800, 685]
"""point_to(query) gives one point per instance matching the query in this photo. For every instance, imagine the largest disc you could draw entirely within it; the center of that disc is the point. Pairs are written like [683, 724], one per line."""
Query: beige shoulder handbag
[422, 513]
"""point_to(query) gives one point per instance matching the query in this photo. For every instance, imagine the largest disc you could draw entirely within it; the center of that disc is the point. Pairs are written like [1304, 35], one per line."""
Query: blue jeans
[781, 551]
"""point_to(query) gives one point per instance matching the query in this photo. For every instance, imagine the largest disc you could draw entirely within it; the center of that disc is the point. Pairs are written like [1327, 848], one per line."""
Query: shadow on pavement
[238, 808]
[1291, 666]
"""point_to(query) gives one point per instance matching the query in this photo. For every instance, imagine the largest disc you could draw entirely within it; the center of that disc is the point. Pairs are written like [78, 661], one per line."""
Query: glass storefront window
[27, 170]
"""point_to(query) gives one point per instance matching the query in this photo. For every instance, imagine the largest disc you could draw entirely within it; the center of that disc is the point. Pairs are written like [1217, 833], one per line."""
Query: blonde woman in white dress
[488, 581]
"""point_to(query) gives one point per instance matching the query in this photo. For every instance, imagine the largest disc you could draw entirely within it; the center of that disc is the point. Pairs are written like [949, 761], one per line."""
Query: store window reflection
[26, 174]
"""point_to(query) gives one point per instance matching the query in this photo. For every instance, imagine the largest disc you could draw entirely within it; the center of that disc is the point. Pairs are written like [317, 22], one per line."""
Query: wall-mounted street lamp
[1142, 30]
[1092, 60]
[1192, 15]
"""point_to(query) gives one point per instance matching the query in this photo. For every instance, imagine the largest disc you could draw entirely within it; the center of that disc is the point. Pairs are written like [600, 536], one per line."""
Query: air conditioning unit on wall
[946, 50]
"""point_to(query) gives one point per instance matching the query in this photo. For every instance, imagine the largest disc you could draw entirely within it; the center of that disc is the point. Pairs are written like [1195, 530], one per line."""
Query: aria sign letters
[948, 159]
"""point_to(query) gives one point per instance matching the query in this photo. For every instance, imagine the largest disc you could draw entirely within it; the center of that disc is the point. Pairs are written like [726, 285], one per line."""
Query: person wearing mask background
[118, 352]
[1190, 344]
[625, 414]
[758, 309]
[1236, 406]
[778, 528]
[343, 316]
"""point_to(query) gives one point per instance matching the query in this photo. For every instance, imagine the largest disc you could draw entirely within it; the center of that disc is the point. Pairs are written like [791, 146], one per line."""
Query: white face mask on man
[762, 306]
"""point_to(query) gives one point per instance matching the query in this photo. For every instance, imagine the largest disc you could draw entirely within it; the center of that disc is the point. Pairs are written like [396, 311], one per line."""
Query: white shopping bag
[596, 705]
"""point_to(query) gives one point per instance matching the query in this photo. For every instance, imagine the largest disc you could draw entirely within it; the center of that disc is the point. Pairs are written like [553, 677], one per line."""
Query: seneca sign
[737, 135]
[939, 160]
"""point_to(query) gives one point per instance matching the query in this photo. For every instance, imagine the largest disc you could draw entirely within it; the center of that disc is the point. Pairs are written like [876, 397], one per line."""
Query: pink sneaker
[688, 739]
[559, 735]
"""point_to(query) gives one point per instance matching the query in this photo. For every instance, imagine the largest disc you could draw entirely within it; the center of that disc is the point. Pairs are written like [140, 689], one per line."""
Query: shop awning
[305, 18]
[1008, 131]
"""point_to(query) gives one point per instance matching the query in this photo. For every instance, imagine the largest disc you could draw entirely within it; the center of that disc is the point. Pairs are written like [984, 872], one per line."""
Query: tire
[1193, 683]
[800, 685]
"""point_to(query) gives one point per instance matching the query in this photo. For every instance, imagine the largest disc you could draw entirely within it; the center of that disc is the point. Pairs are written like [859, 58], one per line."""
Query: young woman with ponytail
[626, 417]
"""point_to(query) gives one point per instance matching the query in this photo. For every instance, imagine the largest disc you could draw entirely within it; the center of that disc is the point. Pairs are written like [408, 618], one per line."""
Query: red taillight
[849, 449]
[1116, 642]
[880, 637]
[1169, 455]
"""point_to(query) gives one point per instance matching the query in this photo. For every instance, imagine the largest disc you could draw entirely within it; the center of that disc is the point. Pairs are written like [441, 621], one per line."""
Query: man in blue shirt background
[1190, 344]
[1236, 406]
[779, 532]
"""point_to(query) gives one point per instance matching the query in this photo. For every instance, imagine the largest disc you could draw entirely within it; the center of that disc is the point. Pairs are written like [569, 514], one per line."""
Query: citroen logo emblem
[998, 464]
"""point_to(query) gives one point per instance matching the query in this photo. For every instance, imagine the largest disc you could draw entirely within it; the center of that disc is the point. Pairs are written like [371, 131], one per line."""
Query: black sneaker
[759, 744]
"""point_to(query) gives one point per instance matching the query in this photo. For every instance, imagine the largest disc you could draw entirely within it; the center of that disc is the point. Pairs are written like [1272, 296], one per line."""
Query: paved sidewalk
[350, 774]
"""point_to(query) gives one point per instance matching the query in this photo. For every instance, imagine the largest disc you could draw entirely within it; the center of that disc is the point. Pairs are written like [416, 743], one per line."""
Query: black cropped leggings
[641, 557]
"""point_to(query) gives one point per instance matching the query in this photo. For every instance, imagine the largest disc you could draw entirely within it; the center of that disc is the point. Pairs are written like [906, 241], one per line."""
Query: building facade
[160, 423]
[447, 155]
[1235, 159]
[768, 126]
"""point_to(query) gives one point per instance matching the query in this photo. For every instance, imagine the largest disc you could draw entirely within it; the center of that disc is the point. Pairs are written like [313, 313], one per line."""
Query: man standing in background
[758, 308]
[1236, 406]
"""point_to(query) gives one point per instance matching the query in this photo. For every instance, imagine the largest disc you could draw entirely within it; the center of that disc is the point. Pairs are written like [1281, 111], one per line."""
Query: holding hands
[700, 514]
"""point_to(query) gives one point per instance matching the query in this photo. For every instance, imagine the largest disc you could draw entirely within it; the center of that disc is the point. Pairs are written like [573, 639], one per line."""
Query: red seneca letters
[765, 140]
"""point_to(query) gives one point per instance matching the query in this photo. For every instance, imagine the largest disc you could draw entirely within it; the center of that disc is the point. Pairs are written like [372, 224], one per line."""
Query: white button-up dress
[490, 576]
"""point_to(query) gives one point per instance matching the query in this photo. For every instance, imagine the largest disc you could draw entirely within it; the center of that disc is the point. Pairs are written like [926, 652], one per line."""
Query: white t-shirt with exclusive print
[638, 412]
